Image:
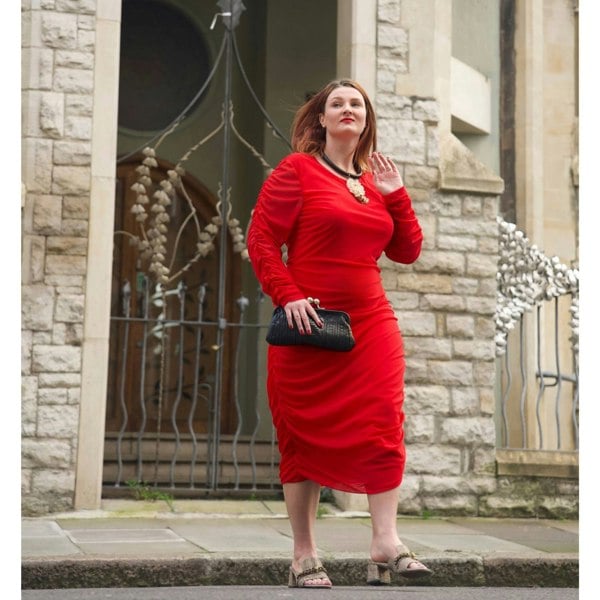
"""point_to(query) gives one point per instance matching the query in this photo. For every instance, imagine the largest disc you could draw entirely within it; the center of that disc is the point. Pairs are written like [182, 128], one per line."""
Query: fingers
[386, 176]
[298, 312]
[381, 164]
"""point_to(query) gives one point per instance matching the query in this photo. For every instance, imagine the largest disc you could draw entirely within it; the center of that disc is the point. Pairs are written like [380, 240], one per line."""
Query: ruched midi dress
[338, 415]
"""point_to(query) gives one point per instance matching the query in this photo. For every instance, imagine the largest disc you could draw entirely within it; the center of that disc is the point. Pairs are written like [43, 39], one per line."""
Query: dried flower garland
[153, 203]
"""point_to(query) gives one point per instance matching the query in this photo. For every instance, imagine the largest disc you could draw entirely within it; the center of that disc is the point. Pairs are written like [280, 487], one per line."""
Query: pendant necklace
[352, 180]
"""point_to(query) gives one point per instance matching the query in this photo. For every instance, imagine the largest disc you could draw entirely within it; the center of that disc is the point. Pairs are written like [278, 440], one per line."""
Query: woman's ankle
[383, 549]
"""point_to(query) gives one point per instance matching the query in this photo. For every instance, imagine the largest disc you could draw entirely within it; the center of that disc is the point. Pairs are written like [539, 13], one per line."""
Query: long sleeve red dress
[338, 415]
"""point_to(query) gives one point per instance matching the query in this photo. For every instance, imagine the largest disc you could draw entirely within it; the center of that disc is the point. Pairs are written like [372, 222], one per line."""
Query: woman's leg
[385, 540]
[384, 511]
[302, 502]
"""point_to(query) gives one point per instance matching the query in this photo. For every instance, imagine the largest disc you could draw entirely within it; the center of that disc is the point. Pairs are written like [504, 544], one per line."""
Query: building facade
[477, 103]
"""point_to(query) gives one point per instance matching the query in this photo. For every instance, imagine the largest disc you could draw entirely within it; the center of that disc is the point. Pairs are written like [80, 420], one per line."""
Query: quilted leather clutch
[336, 333]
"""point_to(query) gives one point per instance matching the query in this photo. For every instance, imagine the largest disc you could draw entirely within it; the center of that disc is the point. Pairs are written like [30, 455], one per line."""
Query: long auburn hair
[309, 136]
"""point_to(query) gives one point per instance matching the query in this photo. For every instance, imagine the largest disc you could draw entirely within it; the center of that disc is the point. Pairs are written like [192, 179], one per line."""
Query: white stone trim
[357, 43]
[90, 451]
[470, 99]
[529, 119]
[429, 23]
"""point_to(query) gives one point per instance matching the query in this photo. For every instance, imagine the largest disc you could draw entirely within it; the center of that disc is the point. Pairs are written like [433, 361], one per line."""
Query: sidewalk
[222, 542]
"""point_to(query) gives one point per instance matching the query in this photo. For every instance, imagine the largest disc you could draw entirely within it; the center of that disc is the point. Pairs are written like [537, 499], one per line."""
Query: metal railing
[181, 442]
[194, 422]
[537, 324]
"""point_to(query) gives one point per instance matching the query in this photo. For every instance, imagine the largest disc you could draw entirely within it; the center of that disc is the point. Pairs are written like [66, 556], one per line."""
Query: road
[284, 593]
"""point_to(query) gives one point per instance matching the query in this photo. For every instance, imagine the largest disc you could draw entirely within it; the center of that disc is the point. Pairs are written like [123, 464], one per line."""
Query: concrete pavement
[131, 543]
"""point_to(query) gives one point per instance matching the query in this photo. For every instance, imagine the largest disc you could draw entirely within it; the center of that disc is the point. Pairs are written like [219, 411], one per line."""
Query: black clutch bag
[336, 333]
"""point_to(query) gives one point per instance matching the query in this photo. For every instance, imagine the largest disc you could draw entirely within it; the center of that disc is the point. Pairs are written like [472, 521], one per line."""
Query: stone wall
[445, 304]
[445, 301]
[57, 71]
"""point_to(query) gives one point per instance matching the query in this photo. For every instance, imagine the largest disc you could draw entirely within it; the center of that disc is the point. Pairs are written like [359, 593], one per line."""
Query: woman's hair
[309, 136]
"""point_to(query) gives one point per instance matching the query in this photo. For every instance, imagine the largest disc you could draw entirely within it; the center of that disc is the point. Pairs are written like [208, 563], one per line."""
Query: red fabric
[338, 415]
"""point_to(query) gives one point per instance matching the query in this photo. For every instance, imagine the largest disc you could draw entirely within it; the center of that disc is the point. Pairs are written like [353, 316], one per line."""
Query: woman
[337, 204]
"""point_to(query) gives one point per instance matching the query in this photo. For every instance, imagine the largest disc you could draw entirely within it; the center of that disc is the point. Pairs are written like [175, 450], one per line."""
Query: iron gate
[187, 411]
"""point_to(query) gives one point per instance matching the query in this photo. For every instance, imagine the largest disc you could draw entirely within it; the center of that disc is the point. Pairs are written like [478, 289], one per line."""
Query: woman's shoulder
[289, 174]
[296, 160]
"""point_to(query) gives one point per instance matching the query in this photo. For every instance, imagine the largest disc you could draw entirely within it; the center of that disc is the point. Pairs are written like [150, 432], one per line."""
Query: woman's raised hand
[385, 173]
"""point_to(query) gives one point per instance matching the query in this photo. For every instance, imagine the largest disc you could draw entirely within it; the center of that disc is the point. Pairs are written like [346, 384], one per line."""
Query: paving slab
[476, 544]
[45, 538]
[225, 535]
[111, 523]
[544, 536]
[129, 543]
[445, 526]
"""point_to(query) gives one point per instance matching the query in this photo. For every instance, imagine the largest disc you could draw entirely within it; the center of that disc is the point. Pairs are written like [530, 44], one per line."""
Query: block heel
[404, 563]
[378, 574]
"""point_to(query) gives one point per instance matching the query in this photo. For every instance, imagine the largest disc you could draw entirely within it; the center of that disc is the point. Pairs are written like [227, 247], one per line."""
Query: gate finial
[231, 10]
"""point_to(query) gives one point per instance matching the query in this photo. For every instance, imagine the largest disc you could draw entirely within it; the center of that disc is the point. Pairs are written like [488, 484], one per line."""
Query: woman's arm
[406, 242]
[405, 245]
[277, 208]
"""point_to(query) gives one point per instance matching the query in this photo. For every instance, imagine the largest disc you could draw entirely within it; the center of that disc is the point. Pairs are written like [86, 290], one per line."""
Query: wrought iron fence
[182, 441]
[537, 345]
[179, 416]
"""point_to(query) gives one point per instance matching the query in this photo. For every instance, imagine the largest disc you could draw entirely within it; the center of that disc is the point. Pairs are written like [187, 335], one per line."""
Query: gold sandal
[379, 573]
[312, 569]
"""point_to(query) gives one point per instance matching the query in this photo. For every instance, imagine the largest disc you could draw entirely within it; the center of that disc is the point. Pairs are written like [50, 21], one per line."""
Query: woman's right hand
[297, 313]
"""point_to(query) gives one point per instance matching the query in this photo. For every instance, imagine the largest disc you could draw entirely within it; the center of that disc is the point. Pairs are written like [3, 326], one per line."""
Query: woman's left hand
[385, 173]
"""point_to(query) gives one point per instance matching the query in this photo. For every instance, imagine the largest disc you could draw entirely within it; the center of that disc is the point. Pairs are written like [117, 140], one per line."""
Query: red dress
[338, 415]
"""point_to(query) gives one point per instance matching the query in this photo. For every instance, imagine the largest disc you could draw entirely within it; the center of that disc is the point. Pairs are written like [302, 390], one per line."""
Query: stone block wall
[57, 84]
[445, 304]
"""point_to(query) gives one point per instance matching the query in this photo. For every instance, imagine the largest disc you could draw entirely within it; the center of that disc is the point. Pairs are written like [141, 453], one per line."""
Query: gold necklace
[352, 180]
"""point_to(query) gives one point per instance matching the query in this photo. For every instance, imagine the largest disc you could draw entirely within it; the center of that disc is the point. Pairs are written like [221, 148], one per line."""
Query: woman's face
[345, 112]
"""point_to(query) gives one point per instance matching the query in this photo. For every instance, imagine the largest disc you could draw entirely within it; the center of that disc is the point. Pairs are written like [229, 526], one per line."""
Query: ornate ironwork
[154, 194]
[528, 280]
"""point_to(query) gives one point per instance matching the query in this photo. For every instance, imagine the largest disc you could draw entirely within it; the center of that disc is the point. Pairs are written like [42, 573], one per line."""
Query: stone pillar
[445, 301]
[94, 372]
[70, 59]
[57, 74]
[356, 42]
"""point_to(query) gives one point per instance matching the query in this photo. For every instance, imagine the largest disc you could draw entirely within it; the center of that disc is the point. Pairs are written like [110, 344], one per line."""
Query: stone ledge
[538, 463]
[459, 571]
[461, 171]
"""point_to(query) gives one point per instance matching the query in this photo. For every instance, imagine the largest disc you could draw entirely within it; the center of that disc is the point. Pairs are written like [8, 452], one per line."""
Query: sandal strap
[310, 566]
[396, 560]
[313, 571]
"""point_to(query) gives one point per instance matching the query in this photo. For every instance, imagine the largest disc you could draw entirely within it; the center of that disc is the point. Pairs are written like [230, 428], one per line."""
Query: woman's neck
[342, 156]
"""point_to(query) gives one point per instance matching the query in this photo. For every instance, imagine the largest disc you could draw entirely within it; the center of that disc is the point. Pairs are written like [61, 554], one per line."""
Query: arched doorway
[186, 389]
[161, 402]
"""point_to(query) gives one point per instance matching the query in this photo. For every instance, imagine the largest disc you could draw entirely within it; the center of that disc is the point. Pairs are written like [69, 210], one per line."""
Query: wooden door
[162, 378]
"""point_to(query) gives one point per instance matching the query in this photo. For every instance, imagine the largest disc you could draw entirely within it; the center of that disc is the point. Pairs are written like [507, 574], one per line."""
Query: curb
[462, 571]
